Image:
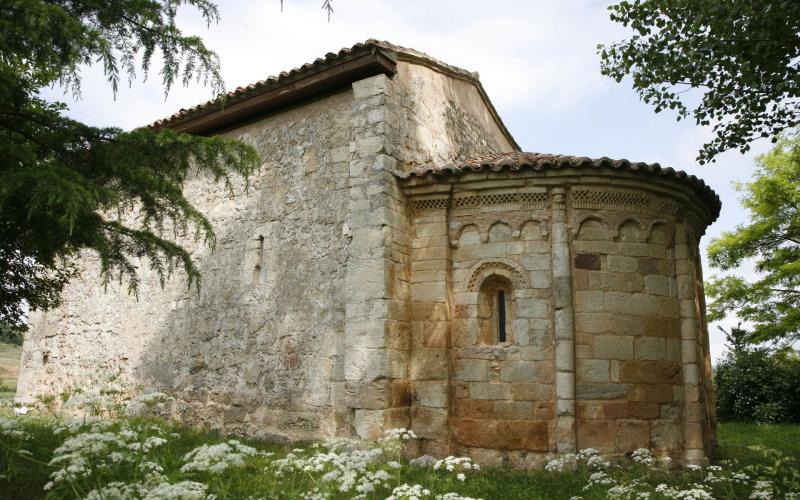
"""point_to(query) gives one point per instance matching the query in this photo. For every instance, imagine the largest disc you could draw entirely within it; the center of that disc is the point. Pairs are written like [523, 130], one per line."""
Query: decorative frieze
[622, 201]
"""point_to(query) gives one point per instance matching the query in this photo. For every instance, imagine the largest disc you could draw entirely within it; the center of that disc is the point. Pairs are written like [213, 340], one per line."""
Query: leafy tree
[743, 55]
[758, 384]
[66, 186]
[772, 239]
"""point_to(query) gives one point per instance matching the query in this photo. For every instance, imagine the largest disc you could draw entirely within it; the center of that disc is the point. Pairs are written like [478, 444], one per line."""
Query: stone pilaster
[430, 371]
[691, 352]
[563, 324]
[375, 348]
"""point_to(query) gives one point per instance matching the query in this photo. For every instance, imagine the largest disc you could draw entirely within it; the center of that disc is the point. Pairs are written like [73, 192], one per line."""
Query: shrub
[758, 385]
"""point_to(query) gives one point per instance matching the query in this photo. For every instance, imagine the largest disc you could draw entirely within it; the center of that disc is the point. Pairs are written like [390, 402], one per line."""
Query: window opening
[261, 269]
[501, 316]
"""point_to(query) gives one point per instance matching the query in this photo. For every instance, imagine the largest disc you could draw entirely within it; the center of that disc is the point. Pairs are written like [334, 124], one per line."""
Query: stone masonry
[398, 262]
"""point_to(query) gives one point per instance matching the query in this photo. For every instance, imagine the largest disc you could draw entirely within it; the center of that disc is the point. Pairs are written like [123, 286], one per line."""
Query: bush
[758, 385]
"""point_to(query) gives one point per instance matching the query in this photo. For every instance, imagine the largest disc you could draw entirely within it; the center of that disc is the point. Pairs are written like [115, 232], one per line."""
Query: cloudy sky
[536, 58]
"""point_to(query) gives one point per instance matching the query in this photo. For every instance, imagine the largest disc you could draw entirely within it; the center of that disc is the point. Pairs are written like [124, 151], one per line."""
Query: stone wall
[302, 327]
[606, 345]
[398, 124]
[256, 350]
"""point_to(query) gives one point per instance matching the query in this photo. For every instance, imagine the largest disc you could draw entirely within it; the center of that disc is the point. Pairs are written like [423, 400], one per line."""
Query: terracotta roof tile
[516, 161]
[330, 59]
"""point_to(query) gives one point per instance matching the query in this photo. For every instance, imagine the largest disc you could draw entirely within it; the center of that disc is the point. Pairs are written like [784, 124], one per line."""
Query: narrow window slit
[261, 269]
[501, 316]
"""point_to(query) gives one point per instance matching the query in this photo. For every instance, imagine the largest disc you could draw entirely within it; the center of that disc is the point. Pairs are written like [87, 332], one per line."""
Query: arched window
[495, 310]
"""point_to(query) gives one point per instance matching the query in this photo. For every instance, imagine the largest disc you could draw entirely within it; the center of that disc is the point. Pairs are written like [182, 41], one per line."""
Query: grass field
[104, 456]
[9, 367]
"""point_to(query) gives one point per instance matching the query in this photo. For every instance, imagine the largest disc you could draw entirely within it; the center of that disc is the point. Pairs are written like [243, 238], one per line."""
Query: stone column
[563, 325]
[685, 270]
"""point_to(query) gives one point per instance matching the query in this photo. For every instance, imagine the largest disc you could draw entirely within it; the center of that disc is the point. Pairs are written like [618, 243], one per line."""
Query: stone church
[397, 261]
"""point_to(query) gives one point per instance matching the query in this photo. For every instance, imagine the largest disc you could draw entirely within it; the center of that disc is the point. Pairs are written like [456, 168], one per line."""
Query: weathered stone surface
[502, 434]
[518, 371]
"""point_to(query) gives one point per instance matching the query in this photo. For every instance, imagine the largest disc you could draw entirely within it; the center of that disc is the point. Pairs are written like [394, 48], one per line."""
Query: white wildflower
[762, 490]
[216, 458]
[409, 492]
[184, 490]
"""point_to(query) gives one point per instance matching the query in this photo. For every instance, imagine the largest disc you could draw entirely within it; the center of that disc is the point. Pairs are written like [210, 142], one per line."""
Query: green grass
[29, 475]
[9, 368]
[735, 437]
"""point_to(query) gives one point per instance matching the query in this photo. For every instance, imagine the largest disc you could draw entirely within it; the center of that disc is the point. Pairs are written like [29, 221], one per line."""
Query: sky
[537, 60]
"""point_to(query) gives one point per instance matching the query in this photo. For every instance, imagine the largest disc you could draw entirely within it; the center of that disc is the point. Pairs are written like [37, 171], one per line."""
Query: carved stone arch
[542, 221]
[457, 229]
[579, 221]
[500, 267]
[499, 222]
[670, 230]
[623, 220]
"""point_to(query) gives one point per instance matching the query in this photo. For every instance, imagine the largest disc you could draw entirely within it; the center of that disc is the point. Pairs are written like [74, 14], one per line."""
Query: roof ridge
[390, 50]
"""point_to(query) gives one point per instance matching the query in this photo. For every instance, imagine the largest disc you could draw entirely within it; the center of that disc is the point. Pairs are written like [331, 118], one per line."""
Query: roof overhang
[220, 116]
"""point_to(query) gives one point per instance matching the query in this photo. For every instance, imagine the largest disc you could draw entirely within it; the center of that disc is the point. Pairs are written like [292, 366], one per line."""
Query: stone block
[432, 393]
[589, 261]
[659, 393]
[592, 370]
[429, 364]
[565, 385]
[435, 333]
[650, 372]
[591, 322]
[532, 392]
[651, 348]
[616, 410]
[484, 390]
[429, 292]
[632, 435]
[513, 410]
[544, 410]
[599, 434]
[369, 87]
[613, 347]
[533, 308]
[665, 435]
[486, 457]
[589, 301]
[429, 423]
[368, 424]
[627, 282]
[589, 410]
[639, 304]
[472, 370]
[658, 285]
[621, 263]
[518, 371]
[661, 327]
[505, 434]
[645, 410]
[371, 394]
[473, 408]
[541, 279]
[601, 391]
[545, 372]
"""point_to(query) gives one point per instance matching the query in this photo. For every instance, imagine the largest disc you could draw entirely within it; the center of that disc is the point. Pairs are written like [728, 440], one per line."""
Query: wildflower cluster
[102, 448]
[136, 459]
[458, 465]
[216, 458]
